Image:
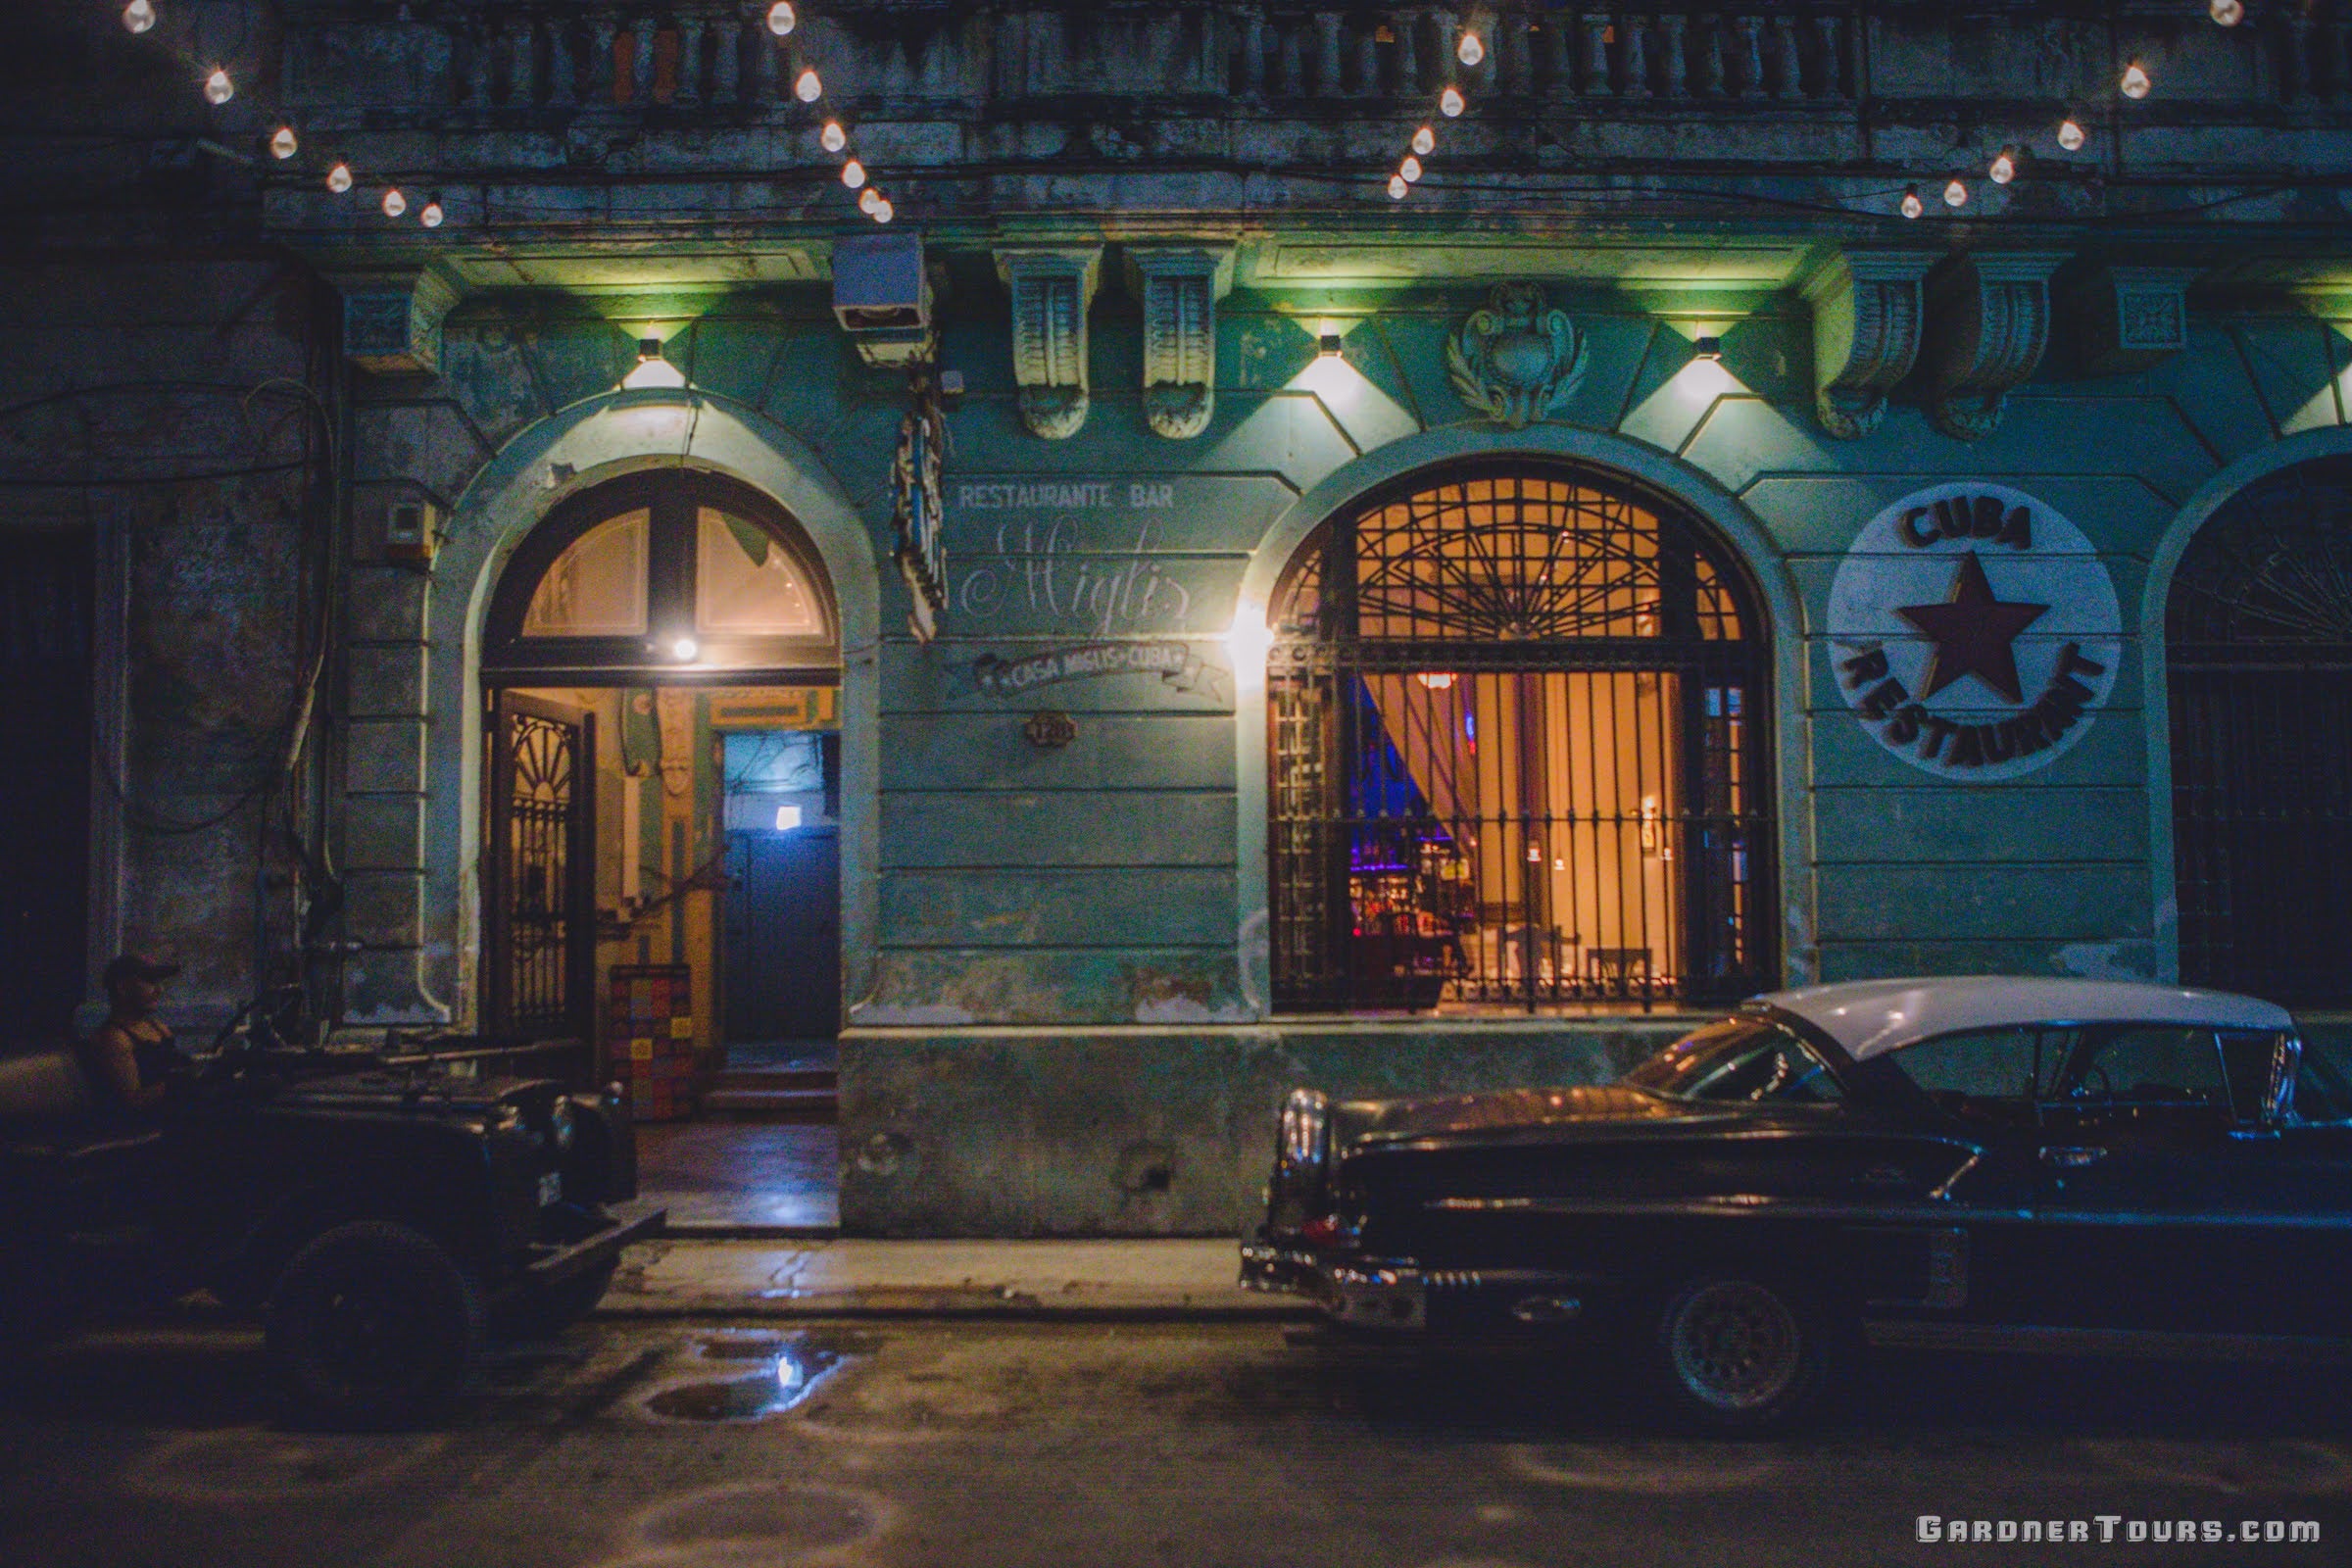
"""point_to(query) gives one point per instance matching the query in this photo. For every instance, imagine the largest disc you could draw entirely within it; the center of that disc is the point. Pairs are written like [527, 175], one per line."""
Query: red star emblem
[1972, 632]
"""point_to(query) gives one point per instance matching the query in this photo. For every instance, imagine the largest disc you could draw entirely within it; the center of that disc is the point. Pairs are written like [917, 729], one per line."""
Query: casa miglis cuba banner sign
[1973, 631]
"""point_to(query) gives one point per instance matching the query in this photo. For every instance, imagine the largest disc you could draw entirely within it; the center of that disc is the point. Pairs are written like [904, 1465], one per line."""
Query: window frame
[674, 499]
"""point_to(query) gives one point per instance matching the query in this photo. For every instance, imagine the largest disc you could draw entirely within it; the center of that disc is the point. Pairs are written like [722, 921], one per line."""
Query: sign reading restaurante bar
[1973, 631]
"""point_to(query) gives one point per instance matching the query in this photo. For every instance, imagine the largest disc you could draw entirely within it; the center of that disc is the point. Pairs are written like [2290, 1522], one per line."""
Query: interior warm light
[339, 179]
[1410, 168]
[1955, 194]
[138, 15]
[833, 137]
[654, 369]
[432, 215]
[1397, 187]
[218, 88]
[1425, 141]
[780, 17]
[684, 648]
[808, 90]
[395, 203]
[282, 144]
[1436, 680]
[2003, 170]
[1912, 206]
[1449, 102]
[1470, 51]
[2228, 13]
[2070, 135]
[2135, 82]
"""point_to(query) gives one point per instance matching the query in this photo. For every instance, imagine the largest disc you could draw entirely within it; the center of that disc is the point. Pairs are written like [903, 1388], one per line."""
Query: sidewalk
[687, 1277]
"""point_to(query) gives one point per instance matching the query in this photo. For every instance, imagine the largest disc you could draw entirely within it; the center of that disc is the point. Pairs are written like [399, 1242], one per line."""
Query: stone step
[776, 1105]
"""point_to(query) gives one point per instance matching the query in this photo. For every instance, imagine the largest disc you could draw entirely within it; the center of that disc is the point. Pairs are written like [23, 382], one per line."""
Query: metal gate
[540, 891]
[1518, 752]
[2259, 638]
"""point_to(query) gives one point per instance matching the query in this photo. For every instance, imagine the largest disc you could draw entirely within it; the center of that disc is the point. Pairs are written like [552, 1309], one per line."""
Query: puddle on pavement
[777, 1372]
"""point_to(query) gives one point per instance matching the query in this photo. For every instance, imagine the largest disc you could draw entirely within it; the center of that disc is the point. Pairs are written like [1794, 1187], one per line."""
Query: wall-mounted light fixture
[653, 370]
[1329, 346]
[1706, 347]
[684, 648]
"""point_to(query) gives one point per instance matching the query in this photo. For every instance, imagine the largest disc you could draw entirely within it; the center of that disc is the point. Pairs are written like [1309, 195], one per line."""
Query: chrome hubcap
[1736, 1344]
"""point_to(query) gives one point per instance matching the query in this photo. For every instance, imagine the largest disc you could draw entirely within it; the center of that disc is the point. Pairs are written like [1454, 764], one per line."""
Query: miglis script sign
[1973, 631]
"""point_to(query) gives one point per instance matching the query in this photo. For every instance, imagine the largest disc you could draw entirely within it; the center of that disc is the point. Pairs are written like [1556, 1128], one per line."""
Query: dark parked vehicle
[1947, 1160]
[382, 1221]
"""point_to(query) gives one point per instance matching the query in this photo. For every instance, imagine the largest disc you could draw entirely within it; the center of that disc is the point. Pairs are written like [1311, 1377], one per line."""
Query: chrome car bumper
[1404, 1297]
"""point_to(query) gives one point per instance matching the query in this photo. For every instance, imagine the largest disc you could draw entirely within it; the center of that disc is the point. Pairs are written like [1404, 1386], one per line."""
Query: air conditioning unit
[882, 297]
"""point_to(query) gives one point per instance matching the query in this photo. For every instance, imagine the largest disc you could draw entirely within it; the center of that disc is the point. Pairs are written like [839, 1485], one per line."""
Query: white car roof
[1871, 1017]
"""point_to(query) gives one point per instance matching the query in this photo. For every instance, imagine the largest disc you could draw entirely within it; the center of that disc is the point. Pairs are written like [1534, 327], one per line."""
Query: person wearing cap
[128, 1058]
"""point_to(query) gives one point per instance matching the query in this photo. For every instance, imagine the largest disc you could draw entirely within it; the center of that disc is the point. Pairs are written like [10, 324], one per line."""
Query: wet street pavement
[675, 1443]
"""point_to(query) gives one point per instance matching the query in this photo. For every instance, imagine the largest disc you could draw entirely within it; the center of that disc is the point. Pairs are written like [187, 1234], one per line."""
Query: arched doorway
[660, 671]
[1517, 752]
[2259, 675]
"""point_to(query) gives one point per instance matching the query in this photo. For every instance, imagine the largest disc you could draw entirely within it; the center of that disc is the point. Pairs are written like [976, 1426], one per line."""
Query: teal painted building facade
[1061, 1006]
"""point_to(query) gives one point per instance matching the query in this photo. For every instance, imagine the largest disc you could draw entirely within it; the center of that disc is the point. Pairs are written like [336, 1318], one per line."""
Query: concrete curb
[965, 1305]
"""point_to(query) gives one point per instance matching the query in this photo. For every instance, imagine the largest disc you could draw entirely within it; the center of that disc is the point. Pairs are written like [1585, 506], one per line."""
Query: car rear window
[1738, 1058]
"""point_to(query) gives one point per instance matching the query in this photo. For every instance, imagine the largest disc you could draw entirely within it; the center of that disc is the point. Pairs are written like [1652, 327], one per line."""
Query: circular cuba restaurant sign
[1973, 631]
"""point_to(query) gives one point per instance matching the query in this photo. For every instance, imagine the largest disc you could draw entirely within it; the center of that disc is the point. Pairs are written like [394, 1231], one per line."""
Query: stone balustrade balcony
[544, 122]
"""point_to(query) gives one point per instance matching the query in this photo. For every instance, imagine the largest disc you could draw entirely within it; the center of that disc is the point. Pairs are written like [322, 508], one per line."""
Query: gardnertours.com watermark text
[2104, 1529]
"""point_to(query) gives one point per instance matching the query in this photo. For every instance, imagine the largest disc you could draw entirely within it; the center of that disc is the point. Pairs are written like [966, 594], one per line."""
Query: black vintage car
[381, 1221]
[1949, 1160]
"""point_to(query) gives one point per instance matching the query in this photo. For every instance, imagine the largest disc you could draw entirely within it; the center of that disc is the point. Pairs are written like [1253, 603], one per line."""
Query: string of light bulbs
[284, 144]
[2133, 82]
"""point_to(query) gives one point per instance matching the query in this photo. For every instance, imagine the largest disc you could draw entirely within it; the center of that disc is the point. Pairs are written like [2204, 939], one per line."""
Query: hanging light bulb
[395, 203]
[868, 201]
[1912, 206]
[2070, 135]
[1955, 194]
[2228, 13]
[218, 88]
[2135, 82]
[808, 90]
[339, 179]
[138, 15]
[853, 174]
[282, 144]
[1410, 168]
[1397, 187]
[884, 211]
[2003, 170]
[780, 17]
[1470, 51]
[1425, 141]
[1449, 102]
[833, 137]
[432, 215]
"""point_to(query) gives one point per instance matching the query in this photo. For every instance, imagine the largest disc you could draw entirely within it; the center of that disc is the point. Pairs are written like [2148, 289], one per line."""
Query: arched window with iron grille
[1518, 749]
[2257, 633]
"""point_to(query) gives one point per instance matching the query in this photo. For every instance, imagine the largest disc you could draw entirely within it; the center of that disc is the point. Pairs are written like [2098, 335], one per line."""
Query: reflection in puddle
[782, 1370]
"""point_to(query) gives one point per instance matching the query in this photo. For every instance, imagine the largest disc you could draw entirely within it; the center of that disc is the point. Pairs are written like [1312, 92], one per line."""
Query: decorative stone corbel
[1178, 288]
[1051, 291]
[1866, 320]
[2130, 318]
[392, 317]
[1988, 319]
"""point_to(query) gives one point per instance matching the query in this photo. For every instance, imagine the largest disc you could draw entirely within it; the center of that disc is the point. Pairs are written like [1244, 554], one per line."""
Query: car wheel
[372, 1325]
[1741, 1351]
[549, 1313]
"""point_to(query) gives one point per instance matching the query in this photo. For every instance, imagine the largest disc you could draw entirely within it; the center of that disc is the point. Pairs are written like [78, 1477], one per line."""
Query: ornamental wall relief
[1516, 360]
[1973, 631]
